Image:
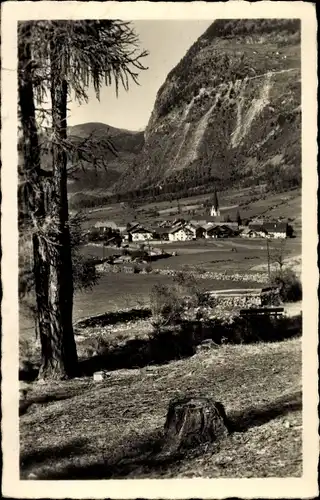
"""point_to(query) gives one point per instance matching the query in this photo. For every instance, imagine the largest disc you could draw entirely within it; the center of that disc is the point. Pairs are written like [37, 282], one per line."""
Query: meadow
[112, 430]
[116, 291]
[230, 254]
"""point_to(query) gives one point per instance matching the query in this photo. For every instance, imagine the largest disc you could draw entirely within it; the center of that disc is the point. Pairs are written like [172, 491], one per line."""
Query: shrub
[148, 268]
[137, 268]
[191, 285]
[289, 285]
[166, 305]
[97, 346]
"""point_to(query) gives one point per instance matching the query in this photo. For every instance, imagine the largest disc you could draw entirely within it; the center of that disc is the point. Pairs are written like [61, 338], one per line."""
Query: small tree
[190, 285]
[166, 305]
[278, 255]
[288, 283]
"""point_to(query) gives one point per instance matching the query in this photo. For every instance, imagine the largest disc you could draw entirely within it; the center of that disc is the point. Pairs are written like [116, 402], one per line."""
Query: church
[215, 215]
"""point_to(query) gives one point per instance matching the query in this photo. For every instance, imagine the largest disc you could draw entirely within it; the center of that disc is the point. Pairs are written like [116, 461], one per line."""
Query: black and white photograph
[160, 244]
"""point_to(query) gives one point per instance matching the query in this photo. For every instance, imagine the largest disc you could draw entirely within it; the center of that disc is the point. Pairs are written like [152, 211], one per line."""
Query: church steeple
[215, 211]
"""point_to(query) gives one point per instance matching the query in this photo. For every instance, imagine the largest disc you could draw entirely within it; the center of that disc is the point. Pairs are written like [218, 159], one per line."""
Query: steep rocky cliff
[229, 110]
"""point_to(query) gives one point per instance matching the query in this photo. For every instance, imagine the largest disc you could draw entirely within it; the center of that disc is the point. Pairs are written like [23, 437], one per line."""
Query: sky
[167, 42]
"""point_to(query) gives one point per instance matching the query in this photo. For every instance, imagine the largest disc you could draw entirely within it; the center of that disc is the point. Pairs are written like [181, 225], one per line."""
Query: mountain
[127, 144]
[125, 141]
[229, 111]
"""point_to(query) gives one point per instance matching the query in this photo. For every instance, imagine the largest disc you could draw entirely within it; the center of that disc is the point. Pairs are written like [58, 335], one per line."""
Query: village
[187, 228]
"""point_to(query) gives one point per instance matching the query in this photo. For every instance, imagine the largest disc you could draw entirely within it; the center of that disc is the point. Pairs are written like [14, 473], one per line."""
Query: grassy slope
[110, 430]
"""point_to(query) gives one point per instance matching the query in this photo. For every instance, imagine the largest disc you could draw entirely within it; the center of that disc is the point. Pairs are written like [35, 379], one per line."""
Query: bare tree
[279, 254]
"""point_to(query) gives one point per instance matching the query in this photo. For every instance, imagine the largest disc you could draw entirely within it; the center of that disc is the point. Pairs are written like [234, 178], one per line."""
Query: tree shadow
[24, 405]
[255, 416]
[171, 344]
[29, 373]
[74, 447]
[142, 454]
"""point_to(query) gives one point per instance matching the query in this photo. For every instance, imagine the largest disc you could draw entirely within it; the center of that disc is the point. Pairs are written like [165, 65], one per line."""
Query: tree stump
[192, 421]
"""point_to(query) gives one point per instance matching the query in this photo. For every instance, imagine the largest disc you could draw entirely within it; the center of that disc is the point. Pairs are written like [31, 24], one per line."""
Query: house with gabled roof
[276, 229]
[256, 230]
[141, 234]
[197, 229]
[272, 229]
[103, 225]
[177, 221]
[162, 233]
[180, 233]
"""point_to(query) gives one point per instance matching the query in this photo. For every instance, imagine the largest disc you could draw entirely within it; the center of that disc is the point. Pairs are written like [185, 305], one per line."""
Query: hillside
[127, 144]
[230, 110]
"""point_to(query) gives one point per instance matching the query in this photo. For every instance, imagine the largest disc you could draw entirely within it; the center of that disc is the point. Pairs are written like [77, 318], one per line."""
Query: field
[111, 429]
[121, 290]
[211, 254]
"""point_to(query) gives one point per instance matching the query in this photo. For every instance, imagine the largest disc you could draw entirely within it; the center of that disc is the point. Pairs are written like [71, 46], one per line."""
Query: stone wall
[258, 277]
[238, 301]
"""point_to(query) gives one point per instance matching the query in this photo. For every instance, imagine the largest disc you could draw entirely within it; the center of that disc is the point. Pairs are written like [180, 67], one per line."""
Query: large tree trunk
[60, 359]
[35, 202]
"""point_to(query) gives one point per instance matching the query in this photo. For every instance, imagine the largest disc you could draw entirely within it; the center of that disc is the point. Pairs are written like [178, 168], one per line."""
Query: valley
[185, 240]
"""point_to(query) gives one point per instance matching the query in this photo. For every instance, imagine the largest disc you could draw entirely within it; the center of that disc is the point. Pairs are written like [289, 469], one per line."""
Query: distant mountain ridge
[230, 110]
[127, 143]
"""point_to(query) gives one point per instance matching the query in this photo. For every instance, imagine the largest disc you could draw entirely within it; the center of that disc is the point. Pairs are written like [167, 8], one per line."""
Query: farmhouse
[270, 229]
[197, 230]
[257, 230]
[246, 232]
[213, 232]
[105, 224]
[276, 229]
[165, 223]
[141, 234]
[161, 233]
[180, 233]
[220, 231]
[177, 222]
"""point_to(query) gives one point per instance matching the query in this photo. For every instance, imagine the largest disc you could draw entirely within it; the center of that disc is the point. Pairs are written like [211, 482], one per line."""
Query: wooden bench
[265, 311]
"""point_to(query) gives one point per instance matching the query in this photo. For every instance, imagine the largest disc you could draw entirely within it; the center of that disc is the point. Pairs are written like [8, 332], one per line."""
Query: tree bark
[35, 201]
[60, 360]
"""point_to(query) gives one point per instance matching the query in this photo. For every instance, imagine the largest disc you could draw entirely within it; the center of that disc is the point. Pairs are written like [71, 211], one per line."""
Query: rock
[98, 376]
[192, 421]
[206, 345]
